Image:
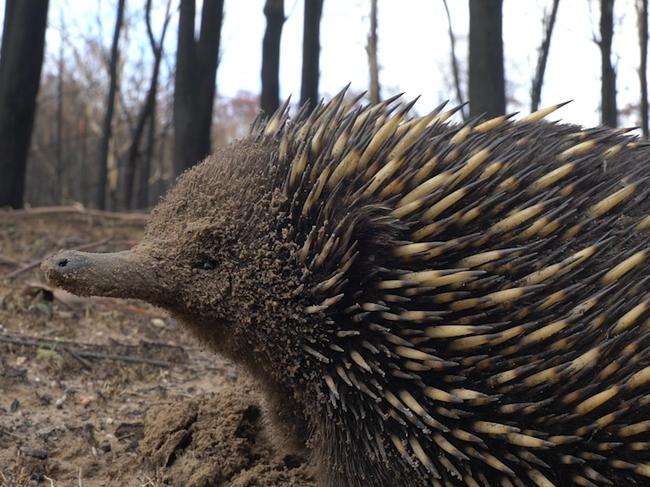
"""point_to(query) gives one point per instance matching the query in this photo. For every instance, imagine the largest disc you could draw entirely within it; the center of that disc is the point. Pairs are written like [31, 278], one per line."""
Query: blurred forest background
[104, 102]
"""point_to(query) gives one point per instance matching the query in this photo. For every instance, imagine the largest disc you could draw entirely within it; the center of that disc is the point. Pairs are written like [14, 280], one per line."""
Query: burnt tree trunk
[110, 108]
[371, 49]
[83, 161]
[486, 77]
[274, 12]
[609, 111]
[538, 80]
[147, 109]
[145, 168]
[311, 52]
[21, 59]
[196, 71]
[185, 123]
[59, 122]
[454, 61]
[642, 10]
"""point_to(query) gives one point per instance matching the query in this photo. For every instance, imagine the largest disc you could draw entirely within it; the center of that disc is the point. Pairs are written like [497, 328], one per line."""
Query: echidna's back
[483, 288]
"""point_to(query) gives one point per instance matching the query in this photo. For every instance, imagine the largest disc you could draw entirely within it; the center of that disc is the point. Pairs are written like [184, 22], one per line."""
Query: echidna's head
[207, 254]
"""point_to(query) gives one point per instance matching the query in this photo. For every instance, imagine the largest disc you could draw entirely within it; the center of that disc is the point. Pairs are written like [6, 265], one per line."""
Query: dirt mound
[103, 392]
[217, 439]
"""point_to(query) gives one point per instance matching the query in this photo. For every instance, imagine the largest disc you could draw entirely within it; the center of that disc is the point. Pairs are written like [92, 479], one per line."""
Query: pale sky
[413, 48]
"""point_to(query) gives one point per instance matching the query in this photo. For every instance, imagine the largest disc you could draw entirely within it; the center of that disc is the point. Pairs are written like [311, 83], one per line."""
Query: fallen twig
[64, 297]
[78, 353]
[37, 262]
[8, 261]
[126, 358]
[139, 218]
[73, 353]
[17, 272]
[76, 345]
[5, 431]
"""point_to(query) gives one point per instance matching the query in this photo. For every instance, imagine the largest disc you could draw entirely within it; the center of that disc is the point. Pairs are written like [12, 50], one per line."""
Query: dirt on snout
[104, 392]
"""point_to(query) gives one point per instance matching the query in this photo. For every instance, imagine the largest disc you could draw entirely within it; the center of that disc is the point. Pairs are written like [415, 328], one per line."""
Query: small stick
[5, 431]
[50, 341]
[125, 358]
[17, 272]
[50, 210]
[8, 261]
[76, 344]
[73, 353]
[88, 353]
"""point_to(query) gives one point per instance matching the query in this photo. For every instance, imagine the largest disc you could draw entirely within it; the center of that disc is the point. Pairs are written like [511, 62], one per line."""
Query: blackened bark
[486, 76]
[107, 132]
[642, 11]
[311, 52]
[538, 81]
[144, 169]
[21, 59]
[274, 12]
[207, 50]
[59, 123]
[83, 162]
[371, 49]
[196, 71]
[609, 111]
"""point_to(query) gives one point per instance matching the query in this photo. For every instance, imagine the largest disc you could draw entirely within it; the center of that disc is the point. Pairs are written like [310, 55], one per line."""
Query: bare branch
[371, 49]
[79, 353]
[642, 13]
[538, 80]
[609, 110]
[454, 62]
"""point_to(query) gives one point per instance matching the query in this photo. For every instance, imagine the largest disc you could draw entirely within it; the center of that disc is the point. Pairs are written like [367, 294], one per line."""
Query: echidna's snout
[64, 263]
[118, 274]
[66, 267]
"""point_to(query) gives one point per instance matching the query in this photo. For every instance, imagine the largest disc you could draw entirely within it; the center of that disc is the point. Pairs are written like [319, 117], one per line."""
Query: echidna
[426, 303]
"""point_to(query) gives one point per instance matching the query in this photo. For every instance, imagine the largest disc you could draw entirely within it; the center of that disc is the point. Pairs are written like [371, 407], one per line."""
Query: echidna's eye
[206, 263]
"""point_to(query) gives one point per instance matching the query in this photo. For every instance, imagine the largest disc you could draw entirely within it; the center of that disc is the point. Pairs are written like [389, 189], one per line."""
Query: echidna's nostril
[62, 262]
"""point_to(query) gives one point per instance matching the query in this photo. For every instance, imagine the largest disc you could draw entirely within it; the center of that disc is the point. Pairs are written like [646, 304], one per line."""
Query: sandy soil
[101, 392]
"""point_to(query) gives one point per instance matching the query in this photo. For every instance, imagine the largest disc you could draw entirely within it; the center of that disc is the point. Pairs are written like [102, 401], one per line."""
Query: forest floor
[105, 392]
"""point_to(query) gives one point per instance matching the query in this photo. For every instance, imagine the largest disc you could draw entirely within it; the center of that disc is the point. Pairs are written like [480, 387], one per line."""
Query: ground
[103, 392]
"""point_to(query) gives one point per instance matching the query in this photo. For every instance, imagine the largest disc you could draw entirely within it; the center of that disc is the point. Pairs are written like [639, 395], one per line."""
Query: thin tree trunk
[184, 94]
[59, 126]
[454, 62]
[196, 71]
[110, 108]
[83, 161]
[609, 111]
[642, 10]
[147, 108]
[486, 77]
[207, 50]
[162, 146]
[538, 81]
[311, 52]
[371, 49]
[274, 12]
[21, 59]
[145, 167]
